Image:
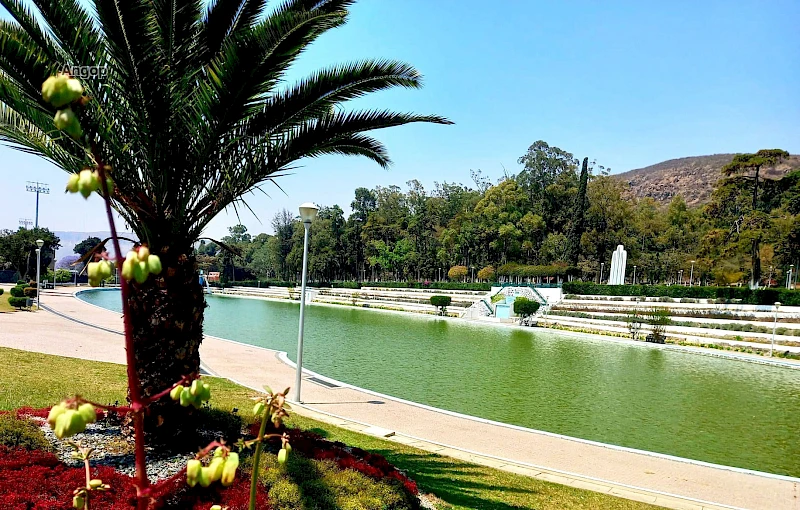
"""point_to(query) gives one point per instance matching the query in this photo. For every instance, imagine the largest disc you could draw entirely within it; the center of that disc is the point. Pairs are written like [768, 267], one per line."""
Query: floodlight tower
[37, 187]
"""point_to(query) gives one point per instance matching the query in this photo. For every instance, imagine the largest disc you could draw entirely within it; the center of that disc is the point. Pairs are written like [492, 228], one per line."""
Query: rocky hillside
[694, 178]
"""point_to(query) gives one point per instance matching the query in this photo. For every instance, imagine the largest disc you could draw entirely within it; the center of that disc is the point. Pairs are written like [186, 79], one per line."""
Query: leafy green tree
[85, 246]
[18, 250]
[542, 166]
[194, 111]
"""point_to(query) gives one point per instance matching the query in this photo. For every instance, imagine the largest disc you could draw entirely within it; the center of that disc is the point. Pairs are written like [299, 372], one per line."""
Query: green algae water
[699, 407]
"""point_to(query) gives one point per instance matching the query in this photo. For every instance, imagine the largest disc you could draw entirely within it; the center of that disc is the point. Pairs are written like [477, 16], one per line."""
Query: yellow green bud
[195, 388]
[72, 183]
[215, 507]
[193, 469]
[60, 90]
[94, 282]
[78, 501]
[229, 470]
[185, 398]
[175, 394]
[55, 412]
[219, 452]
[215, 468]
[154, 264]
[144, 252]
[204, 392]
[88, 413]
[105, 269]
[140, 272]
[283, 455]
[65, 120]
[127, 270]
[85, 183]
[93, 270]
[132, 256]
[95, 484]
[205, 477]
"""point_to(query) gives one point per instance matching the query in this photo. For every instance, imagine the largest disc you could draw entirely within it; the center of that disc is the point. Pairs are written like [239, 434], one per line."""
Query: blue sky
[626, 83]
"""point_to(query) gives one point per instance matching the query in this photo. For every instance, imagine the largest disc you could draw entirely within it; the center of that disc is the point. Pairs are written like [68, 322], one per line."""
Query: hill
[694, 178]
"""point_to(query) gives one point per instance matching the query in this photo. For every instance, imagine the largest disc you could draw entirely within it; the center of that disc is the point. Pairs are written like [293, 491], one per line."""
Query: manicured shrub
[29, 292]
[2, 291]
[22, 433]
[482, 287]
[525, 307]
[18, 302]
[487, 273]
[17, 291]
[457, 273]
[21, 282]
[441, 302]
[513, 269]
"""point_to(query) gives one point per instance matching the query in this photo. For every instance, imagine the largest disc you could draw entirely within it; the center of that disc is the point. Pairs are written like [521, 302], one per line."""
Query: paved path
[655, 479]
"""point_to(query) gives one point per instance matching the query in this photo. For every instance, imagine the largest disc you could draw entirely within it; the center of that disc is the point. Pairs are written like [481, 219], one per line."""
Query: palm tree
[190, 110]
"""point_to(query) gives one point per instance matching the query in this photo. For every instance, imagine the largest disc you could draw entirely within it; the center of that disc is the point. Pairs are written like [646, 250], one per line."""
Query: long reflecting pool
[699, 407]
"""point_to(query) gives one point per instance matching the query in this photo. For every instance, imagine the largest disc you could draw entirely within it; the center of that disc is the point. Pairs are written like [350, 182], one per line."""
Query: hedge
[746, 295]
[525, 307]
[481, 287]
[17, 302]
[525, 271]
[18, 291]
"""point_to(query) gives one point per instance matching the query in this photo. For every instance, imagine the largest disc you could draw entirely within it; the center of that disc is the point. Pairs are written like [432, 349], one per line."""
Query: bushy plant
[21, 282]
[2, 291]
[658, 318]
[18, 302]
[524, 307]
[486, 273]
[441, 303]
[18, 291]
[457, 273]
[22, 433]
[513, 269]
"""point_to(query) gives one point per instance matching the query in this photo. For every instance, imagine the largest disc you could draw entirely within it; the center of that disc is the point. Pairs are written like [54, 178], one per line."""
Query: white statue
[618, 262]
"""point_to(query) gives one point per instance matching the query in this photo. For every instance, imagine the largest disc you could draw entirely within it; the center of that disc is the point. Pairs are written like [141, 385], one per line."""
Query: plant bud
[66, 121]
[61, 425]
[219, 452]
[78, 501]
[215, 507]
[88, 413]
[55, 412]
[195, 388]
[85, 183]
[193, 470]
[105, 269]
[215, 468]
[133, 256]
[76, 422]
[204, 392]
[93, 270]
[196, 402]
[51, 85]
[140, 272]
[205, 477]
[258, 409]
[154, 264]
[175, 394]
[144, 252]
[127, 270]
[229, 470]
[95, 484]
[283, 455]
[287, 447]
[94, 282]
[60, 90]
[185, 398]
[72, 183]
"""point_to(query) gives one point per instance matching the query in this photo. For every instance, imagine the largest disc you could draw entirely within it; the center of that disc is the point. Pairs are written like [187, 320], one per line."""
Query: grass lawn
[39, 380]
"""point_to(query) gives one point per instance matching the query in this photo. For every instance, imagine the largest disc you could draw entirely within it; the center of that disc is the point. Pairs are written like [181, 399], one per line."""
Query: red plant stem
[88, 479]
[157, 396]
[134, 385]
[116, 409]
[205, 451]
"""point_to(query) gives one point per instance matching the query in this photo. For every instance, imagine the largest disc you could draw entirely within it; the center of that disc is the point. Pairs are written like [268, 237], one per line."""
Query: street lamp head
[38, 250]
[308, 211]
[39, 243]
[777, 304]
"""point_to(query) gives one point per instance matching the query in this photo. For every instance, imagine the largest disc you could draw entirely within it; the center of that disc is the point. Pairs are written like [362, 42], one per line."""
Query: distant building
[213, 276]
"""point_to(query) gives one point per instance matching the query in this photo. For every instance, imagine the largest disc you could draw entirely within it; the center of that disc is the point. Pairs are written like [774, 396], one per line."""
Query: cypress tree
[577, 227]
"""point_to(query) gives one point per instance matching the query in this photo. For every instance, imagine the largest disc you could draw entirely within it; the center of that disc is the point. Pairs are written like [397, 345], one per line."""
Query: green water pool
[699, 407]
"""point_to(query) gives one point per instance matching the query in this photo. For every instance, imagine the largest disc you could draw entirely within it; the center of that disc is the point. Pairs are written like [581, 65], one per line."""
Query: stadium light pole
[37, 187]
[308, 211]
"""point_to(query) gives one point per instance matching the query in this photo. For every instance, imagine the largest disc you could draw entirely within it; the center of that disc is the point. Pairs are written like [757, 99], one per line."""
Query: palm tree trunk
[167, 323]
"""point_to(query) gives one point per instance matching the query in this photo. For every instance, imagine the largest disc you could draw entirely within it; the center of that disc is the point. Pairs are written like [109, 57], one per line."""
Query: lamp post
[774, 325]
[691, 274]
[308, 211]
[39, 243]
[634, 275]
[680, 277]
[789, 278]
[602, 267]
[54, 269]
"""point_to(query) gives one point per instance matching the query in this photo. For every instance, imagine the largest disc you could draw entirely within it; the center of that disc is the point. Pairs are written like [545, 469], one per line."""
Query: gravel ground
[111, 449]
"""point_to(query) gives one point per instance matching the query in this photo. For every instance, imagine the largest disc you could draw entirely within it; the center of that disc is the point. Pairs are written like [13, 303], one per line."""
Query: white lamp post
[634, 275]
[308, 211]
[602, 267]
[774, 325]
[39, 243]
[789, 279]
[691, 274]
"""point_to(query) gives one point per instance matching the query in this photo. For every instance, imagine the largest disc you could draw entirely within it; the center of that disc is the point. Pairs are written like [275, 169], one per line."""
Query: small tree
[525, 308]
[658, 318]
[487, 273]
[457, 273]
[441, 302]
[634, 320]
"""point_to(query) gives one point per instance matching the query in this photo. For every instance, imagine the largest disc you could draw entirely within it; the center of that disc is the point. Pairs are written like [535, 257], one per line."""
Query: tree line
[558, 216]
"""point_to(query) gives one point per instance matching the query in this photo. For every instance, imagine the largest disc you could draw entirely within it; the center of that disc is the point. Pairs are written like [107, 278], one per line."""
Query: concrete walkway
[656, 479]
